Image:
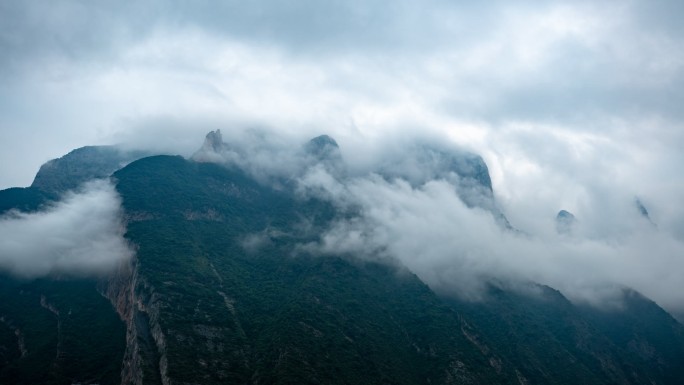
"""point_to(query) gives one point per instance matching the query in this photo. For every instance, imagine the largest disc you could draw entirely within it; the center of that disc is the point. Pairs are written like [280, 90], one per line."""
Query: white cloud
[82, 235]
[456, 249]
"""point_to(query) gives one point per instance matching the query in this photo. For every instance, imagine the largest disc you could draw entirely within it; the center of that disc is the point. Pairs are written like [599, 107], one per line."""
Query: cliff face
[144, 359]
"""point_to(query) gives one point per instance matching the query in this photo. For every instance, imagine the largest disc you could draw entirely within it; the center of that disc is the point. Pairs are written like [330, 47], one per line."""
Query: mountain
[58, 176]
[324, 150]
[24, 199]
[223, 289]
[323, 147]
[201, 307]
[81, 165]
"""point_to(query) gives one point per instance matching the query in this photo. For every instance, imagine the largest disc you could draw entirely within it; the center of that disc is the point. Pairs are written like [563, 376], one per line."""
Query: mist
[414, 213]
[458, 248]
[81, 235]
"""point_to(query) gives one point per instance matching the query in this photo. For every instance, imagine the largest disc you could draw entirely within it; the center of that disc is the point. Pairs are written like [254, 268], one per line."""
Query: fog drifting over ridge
[82, 234]
[457, 249]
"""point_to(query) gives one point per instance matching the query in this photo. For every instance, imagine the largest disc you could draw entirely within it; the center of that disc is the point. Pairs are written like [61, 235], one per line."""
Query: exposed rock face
[214, 141]
[565, 222]
[212, 149]
[144, 359]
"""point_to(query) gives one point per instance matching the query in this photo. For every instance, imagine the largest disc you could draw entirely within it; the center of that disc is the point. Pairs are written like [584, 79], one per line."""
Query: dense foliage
[58, 331]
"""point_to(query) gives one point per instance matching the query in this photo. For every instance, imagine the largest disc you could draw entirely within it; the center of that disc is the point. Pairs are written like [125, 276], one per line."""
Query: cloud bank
[457, 249]
[80, 235]
[420, 212]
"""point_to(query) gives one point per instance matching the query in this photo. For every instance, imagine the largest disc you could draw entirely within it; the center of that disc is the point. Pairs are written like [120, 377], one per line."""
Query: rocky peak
[211, 149]
[213, 141]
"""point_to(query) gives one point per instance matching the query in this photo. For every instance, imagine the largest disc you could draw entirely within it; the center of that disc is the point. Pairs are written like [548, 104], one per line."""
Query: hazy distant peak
[323, 146]
[563, 214]
[565, 222]
[642, 210]
[424, 162]
[324, 140]
[324, 150]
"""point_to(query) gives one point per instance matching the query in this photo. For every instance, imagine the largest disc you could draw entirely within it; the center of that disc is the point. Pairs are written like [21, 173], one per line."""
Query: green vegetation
[271, 313]
[80, 165]
[68, 333]
[23, 199]
[551, 341]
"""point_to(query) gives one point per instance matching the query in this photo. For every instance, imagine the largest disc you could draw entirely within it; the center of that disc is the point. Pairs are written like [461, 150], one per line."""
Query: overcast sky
[574, 105]
[535, 86]
[564, 100]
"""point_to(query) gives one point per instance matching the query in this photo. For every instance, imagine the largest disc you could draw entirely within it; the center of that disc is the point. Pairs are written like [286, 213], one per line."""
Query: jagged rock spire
[211, 149]
[213, 141]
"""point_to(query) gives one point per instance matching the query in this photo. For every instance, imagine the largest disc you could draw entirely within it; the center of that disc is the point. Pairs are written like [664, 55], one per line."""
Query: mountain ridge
[221, 291]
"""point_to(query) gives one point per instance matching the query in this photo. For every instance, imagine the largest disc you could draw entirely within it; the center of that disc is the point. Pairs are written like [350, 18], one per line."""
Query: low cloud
[406, 202]
[457, 249]
[80, 235]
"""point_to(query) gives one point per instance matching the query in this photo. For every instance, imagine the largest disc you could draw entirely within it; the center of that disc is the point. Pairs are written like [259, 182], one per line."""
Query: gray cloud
[457, 249]
[97, 73]
[82, 235]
